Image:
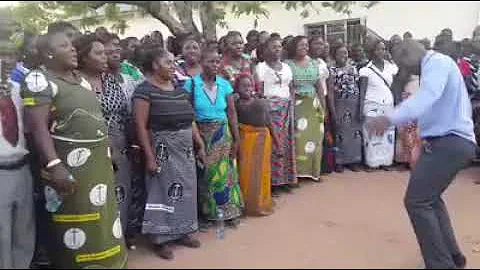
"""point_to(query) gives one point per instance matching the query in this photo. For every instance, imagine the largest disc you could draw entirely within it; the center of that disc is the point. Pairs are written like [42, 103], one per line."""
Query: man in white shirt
[17, 225]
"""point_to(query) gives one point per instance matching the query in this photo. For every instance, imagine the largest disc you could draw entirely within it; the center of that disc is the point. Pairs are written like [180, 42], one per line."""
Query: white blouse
[377, 89]
[275, 83]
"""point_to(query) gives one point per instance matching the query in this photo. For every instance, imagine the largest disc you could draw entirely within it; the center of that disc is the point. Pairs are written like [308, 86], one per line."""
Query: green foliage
[35, 16]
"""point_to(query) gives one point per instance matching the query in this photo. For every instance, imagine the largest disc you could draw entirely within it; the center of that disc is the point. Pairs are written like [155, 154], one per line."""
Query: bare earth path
[352, 220]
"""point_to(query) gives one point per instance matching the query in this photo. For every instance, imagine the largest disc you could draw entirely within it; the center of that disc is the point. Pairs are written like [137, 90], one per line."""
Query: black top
[255, 113]
[169, 110]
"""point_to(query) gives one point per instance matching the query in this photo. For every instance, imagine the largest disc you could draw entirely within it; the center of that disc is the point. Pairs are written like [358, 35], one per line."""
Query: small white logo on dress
[36, 82]
[74, 238]
[302, 124]
[98, 195]
[309, 147]
[78, 157]
[117, 228]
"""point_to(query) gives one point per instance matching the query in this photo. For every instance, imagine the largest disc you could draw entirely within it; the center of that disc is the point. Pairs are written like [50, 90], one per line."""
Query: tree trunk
[184, 11]
[209, 20]
[160, 10]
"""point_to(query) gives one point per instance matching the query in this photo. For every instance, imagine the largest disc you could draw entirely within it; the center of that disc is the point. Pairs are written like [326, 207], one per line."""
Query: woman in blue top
[217, 121]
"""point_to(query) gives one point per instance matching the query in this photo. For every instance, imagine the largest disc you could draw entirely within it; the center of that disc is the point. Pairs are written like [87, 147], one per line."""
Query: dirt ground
[352, 220]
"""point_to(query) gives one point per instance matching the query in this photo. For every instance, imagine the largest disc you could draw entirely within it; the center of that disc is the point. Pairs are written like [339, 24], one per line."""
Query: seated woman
[256, 132]
[164, 118]
[215, 114]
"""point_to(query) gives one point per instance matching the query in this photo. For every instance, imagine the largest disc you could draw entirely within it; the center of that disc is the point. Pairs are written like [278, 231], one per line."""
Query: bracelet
[53, 163]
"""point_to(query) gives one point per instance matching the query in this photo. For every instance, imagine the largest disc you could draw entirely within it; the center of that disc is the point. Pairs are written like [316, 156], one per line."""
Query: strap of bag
[381, 77]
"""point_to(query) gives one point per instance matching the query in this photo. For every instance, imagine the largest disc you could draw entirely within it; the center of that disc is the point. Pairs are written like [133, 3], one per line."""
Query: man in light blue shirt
[444, 114]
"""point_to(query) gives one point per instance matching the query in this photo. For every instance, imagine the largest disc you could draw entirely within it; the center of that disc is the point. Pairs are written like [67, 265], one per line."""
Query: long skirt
[408, 143]
[85, 228]
[138, 192]
[309, 131]
[255, 169]
[401, 154]
[171, 208]
[348, 137]
[476, 118]
[284, 168]
[378, 150]
[411, 142]
[223, 191]
[328, 158]
[123, 174]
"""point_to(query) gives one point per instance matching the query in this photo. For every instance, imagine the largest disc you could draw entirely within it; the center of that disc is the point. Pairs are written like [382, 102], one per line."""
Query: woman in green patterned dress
[71, 137]
[309, 112]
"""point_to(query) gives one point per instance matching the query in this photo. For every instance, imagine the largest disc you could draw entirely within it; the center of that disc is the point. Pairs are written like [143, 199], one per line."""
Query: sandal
[164, 252]
[189, 241]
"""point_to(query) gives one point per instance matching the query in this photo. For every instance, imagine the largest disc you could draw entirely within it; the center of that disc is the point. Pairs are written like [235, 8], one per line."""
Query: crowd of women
[129, 137]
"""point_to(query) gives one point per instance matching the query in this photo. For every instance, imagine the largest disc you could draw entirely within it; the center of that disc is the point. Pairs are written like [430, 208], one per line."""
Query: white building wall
[422, 18]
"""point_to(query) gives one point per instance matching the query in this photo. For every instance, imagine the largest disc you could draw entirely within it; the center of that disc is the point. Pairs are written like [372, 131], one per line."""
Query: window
[349, 31]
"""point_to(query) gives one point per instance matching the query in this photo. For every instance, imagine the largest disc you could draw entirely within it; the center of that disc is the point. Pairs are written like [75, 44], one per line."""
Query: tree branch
[209, 20]
[185, 14]
[159, 10]
[98, 4]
